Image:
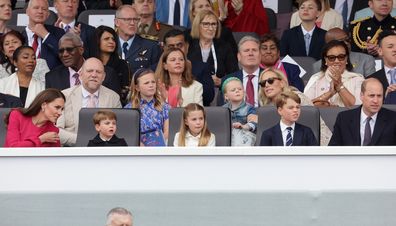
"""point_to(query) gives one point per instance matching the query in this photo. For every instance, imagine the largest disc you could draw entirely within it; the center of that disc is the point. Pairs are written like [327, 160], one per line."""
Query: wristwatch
[341, 87]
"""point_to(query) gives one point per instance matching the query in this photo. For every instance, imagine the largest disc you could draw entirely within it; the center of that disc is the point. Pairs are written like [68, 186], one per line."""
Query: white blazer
[192, 94]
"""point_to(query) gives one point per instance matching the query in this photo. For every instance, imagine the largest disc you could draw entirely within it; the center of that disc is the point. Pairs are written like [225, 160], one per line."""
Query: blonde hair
[135, 97]
[191, 8]
[205, 133]
[263, 99]
[197, 23]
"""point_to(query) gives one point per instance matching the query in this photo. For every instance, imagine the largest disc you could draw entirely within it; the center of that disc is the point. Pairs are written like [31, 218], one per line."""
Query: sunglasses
[67, 49]
[340, 57]
[270, 81]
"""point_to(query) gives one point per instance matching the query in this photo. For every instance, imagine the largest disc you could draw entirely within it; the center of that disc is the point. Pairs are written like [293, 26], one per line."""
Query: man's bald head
[335, 34]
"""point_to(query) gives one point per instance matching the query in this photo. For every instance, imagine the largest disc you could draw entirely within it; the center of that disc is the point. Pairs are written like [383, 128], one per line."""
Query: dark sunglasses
[270, 81]
[68, 49]
[340, 57]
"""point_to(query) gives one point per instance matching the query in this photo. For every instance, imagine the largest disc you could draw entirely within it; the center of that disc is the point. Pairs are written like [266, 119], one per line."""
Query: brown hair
[103, 115]
[282, 98]
[197, 23]
[205, 133]
[317, 2]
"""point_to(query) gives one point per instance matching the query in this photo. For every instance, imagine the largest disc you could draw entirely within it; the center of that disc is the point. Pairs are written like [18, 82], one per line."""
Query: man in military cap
[365, 31]
[149, 27]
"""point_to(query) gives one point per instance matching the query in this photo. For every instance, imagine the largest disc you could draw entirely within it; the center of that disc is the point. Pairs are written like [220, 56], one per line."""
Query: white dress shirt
[172, 11]
[193, 141]
[285, 131]
[387, 73]
[339, 5]
[85, 98]
[30, 34]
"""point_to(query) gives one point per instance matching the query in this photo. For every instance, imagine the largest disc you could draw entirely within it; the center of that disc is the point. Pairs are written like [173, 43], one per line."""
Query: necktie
[176, 15]
[344, 13]
[367, 132]
[77, 80]
[125, 49]
[392, 74]
[66, 28]
[35, 45]
[142, 28]
[289, 139]
[307, 39]
[250, 90]
[91, 101]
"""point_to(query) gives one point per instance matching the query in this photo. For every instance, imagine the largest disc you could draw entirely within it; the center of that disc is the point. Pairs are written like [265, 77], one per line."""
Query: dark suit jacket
[293, 44]
[86, 35]
[293, 76]
[49, 48]
[58, 78]
[114, 141]
[347, 128]
[356, 6]
[201, 72]
[143, 53]
[8, 101]
[303, 136]
[226, 60]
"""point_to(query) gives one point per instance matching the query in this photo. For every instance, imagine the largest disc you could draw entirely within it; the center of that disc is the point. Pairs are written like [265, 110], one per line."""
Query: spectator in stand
[206, 47]
[9, 101]
[21, 83]
[5, 15]
[348, 11]
[9, 42]
[119, 217]
[167, 12]
[34, 126]
[335, 84]
[270, 58]
[306, 39]
[328, 18]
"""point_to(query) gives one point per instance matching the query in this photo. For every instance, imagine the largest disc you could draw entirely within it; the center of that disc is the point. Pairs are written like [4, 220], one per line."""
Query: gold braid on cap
[359, 42]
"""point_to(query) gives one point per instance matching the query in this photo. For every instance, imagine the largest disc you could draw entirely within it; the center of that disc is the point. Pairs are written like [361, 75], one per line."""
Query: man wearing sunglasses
[71, 51]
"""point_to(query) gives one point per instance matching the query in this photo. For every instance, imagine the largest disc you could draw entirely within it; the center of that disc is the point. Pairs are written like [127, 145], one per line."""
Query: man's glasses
[270, 81]
[67, 49]
[208, 24]
[129, 20]
[340, 57]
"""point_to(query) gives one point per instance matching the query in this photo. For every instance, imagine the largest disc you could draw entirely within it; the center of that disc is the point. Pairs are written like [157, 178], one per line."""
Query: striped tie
[289, 139]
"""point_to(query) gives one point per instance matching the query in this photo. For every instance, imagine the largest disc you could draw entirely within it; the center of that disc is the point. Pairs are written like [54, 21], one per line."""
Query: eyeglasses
[340, 57]
[129, 20]
[270, 81]
[67, 49]
[207, 24]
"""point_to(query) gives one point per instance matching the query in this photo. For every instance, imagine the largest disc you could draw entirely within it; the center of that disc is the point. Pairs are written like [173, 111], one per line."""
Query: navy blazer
[292, 43]
[58, 78]
[293, 76]
[49, 48]
[303, 136]
[86, 35]
[9, 101]
[143, 53]
[347, 128]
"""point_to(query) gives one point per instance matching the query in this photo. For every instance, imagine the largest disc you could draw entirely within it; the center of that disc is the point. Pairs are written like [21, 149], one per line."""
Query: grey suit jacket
[362, 63]
[68, 121]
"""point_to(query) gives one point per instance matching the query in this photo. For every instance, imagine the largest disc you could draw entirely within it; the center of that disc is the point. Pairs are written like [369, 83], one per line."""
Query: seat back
[329, 115]
[128, 125]
[97, 17]
[272, 19]
[391, 107]
[307, 64]
[239, 35]
[268, 116]
[218, 120]
[19, 18]
[3, 129]
[285, 6]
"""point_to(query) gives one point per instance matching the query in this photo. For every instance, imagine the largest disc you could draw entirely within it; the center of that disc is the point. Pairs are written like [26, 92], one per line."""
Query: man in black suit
[306, 39]
[387, 75]
[43, 38]
[369, 124]
[139, 52]
[67, 75]
[67, 14]
[201, 71]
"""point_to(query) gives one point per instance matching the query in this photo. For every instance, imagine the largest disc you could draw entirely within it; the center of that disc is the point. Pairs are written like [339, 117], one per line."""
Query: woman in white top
[328, 18]
[21, 83]
[335, 84]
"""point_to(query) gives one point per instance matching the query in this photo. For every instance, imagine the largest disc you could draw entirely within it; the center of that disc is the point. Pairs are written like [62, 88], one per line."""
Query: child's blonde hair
[103, 115]
[205, 133]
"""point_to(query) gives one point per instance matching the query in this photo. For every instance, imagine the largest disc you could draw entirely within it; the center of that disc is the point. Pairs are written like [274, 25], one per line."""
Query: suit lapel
[300, 39]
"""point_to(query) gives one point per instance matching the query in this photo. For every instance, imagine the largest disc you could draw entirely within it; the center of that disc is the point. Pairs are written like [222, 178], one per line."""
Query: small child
[106, 124]
[287, 132]
[243, 115]
[193, 128]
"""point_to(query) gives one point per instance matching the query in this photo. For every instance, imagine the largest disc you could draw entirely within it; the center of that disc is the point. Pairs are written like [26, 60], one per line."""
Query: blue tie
[307, 39]
[289, 139]
[176, 15]
[125, 49]
[392, 74]
[345, 13]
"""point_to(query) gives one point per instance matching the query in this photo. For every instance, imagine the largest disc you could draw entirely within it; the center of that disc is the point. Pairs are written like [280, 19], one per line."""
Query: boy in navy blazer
[287, 132]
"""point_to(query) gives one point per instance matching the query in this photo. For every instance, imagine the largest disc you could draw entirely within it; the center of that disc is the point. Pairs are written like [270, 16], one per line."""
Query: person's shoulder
[107, 91]
[146, 41]
[364, 20]
[67, 92]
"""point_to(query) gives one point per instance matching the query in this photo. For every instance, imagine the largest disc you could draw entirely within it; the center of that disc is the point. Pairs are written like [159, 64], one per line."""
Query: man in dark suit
[67, 75]
[387, 75]
[67, 14]
[201, 71]
[139, 52]
[306, 39]
[354, 5]
[369, 124]
[43, 38]
[8, 101]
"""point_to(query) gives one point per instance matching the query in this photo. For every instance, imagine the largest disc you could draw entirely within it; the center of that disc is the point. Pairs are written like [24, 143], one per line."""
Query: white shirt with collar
[85, 95]
[172, 11]
[387, 73]
[285, 131]
[339, 5]
[193, 141]
[129, 45]
[255, 83]
[71, 25]
[30, 34]
[363, 120]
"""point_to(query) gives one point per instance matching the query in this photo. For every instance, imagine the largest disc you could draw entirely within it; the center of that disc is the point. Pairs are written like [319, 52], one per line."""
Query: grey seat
[390, 106]
[218, 120]
[268, 116]
[21, 12]
[272, 19]
[84, 16]
[307, 64]
[239, 35]
[329, 115]
[128, 125]
[285, 6]
[3, 129]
